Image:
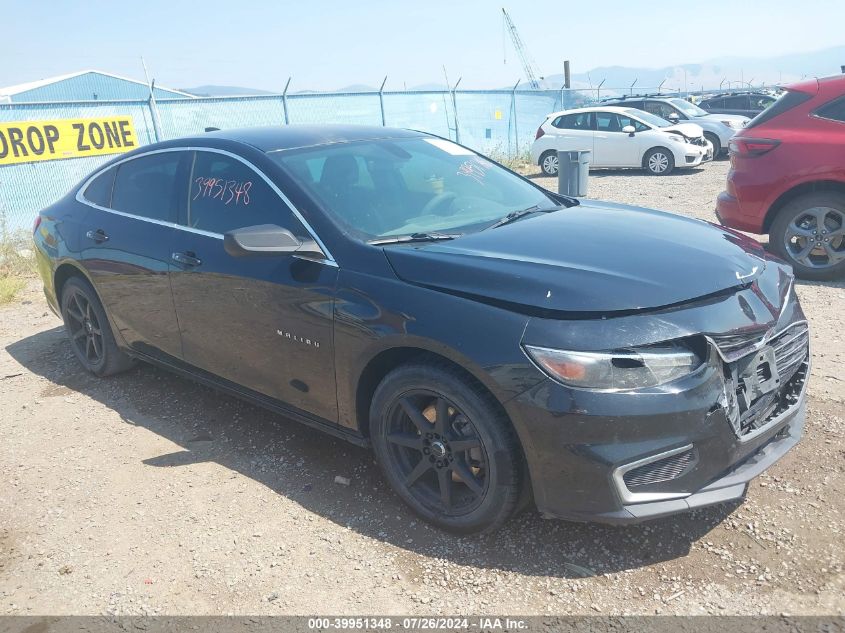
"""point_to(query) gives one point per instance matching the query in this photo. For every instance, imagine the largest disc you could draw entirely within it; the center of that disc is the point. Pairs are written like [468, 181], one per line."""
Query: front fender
[376, 314]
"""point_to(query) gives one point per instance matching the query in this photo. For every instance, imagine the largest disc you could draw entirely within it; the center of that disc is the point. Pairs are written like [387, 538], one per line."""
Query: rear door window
[226, 194]
[607, 122]
[737, 102]
[575, 121]
[146, 186]
[661, 109]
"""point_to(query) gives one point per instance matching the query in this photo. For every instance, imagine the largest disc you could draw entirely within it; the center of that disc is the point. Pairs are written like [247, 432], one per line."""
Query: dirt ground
[148, 494]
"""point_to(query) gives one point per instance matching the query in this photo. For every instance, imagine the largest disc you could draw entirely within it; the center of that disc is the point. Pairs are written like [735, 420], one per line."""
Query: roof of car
[624, 98]
[277, 137]
[746, 93]
[599, 108]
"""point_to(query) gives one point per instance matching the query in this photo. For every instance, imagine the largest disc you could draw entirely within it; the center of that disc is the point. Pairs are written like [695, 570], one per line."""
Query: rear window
[834, 110]
[99, 191]
[790, 99]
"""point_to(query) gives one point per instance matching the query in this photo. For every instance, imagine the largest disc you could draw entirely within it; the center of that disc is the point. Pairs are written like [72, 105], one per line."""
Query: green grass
[17, 264]
[9, 288]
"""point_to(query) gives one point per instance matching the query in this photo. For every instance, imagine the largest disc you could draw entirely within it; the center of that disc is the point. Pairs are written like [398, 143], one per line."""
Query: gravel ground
[148, 494]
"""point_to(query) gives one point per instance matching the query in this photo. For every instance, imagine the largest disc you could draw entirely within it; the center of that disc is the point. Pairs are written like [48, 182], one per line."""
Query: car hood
[727, 117]
[591, 258]
[690, 130]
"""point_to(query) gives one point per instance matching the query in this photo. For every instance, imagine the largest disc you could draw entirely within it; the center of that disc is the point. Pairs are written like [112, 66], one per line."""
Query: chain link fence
[501, 123]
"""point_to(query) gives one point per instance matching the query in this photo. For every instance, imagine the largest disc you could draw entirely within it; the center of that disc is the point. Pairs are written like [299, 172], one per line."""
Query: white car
[620, 137]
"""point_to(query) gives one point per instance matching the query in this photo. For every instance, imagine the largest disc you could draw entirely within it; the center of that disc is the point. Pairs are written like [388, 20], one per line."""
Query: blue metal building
[85, 85]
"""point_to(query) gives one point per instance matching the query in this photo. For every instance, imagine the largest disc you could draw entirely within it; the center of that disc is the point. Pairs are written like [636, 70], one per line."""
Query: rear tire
[717, 144]
[446, 448]
[89, 331]
[659, 161]
[809, 233]
[549, 163]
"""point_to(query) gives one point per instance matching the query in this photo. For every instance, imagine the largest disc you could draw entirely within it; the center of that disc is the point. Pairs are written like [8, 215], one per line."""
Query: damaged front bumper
[628, 456]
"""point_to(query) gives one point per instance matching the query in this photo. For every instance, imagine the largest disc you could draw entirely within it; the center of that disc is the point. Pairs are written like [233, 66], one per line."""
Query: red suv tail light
[752, 146]
[540, 132]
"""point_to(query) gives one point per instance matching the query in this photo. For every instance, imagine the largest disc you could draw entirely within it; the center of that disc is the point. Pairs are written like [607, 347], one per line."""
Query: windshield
[646, 117]
[386, 187]
[690, 109]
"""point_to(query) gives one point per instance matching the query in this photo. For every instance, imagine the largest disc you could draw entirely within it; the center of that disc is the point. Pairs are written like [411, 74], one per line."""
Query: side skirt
[256, 398]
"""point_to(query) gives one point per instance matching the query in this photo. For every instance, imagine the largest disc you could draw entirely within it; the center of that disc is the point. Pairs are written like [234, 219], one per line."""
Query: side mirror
[269, 239]
[629, 130]
[674, 118]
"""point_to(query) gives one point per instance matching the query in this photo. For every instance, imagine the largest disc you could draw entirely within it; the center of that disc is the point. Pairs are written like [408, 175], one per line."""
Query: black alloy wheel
[445, 448]
[89, 331]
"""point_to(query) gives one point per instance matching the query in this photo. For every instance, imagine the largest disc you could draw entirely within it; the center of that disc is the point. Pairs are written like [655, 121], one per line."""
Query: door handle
[186, 259]
[98, 236]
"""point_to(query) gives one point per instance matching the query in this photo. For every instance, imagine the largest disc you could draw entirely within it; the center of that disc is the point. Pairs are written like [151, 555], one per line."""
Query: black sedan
[496, 344]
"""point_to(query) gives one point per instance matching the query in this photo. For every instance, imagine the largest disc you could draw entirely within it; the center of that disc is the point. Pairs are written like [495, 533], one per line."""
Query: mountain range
[721, 72]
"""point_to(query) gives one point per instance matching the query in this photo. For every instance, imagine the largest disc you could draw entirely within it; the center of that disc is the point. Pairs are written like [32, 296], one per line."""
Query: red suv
[787, 178]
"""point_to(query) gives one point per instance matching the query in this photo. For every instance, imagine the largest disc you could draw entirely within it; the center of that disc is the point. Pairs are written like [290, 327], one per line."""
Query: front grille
[700, 141]
[734, 346]
[791, 347]
[661, 470]
[761, 386]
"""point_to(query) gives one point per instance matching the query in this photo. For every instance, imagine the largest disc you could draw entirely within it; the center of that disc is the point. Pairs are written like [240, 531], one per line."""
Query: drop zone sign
[30, 141]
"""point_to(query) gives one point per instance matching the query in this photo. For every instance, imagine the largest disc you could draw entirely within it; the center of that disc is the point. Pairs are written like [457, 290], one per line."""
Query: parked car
[718, 128]
[787, 178]
[620, 137]
[748, 104]
[493, 342]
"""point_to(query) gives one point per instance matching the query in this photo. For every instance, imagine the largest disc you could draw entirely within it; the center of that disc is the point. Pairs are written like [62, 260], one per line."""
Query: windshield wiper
[513, 216]
[414, 237]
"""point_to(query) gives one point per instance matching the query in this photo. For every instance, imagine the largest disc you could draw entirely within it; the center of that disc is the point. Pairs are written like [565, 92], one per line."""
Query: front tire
[717, 144]
[446, 448]
[549, 163]
[659, 161]
[88, 328]
[809, 233]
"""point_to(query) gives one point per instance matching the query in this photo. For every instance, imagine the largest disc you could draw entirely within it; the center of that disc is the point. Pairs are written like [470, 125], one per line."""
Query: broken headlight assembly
[635, 368]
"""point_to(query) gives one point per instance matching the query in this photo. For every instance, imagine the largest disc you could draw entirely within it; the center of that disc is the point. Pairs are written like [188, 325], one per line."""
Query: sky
[330, 44]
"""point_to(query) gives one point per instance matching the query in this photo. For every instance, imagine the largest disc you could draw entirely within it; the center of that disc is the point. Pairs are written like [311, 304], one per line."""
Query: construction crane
[527, 62]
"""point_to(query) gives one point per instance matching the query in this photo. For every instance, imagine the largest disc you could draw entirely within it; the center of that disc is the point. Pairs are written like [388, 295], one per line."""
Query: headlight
[734, 125]
[613, 371]
[677, 138]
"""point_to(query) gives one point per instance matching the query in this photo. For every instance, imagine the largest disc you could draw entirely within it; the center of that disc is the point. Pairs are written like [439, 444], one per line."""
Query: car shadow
[301, 464]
